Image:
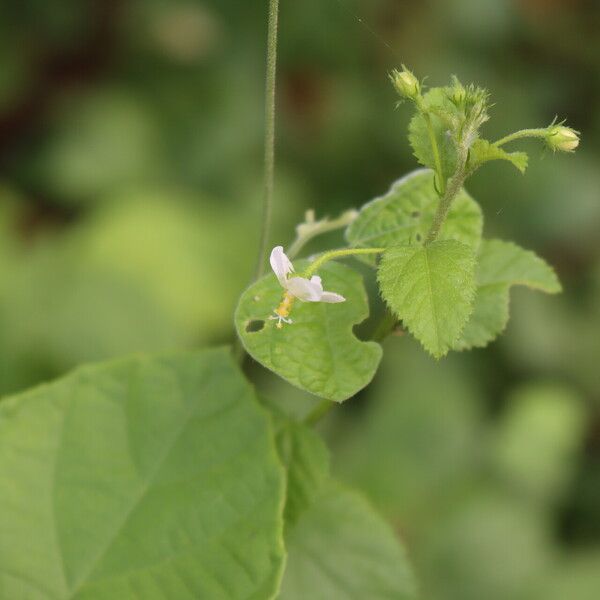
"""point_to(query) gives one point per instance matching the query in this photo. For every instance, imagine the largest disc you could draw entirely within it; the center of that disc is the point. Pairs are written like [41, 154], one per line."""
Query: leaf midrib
[432, 301]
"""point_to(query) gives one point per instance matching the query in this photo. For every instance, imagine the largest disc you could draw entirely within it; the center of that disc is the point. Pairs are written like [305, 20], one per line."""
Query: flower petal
[281, 264]
[332, 297]
[315, 280]
[305, 290]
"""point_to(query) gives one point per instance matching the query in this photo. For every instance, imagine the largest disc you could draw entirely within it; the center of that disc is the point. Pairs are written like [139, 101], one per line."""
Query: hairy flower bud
[406, 84]
[562, 138]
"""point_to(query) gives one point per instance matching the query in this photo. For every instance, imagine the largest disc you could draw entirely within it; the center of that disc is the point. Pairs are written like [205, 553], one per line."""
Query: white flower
[307, 290]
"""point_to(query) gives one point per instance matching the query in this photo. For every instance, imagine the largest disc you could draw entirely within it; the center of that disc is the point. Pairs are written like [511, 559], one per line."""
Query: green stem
[436, 153]
[271, 81]
[318, 412]
[455, 183]
[327, 256]
[541, 132]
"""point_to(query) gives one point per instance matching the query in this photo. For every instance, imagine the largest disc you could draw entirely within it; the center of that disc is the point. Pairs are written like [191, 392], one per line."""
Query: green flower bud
[562, 138]
[406, 84]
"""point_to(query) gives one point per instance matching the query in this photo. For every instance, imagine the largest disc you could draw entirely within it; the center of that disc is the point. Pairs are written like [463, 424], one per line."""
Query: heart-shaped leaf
[152, 478]
[431, 289]
[318, 352]
[405, 214]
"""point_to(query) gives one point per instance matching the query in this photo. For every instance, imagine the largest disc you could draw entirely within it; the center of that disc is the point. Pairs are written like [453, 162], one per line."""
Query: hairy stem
[436, 153]
[540, 132]
[327, 256]
[271, 81]
[455, 183]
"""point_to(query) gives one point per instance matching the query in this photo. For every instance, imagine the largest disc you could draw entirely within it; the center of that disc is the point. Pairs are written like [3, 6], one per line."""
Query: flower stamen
[283, 310]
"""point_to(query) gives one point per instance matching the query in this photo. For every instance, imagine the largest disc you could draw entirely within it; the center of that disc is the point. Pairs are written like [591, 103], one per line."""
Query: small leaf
[431, 288]
[502, 265]
[152, 478]
[338, 546]
[483, 151]
[440, 112]
[318, 352]
[405, 214]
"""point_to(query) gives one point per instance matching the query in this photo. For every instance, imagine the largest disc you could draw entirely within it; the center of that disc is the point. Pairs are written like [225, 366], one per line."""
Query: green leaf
[483, 151]
[338, 547]
[405, 214]
[306, 459]
[431, 288]
[318, 352]
[502, 265]
[439, 112]
[152, 478]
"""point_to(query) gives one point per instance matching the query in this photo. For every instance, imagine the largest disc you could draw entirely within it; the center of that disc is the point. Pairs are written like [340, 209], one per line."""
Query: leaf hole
[418, 237]
[416, 214]
[255, 326]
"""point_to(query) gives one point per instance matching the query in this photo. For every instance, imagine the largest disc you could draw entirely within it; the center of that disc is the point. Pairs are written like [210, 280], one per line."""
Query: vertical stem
[271, 81]
[455, 183]
[436, 153]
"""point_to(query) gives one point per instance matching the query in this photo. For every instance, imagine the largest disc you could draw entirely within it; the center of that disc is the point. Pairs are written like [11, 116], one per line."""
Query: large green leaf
[318, 352]
[431, 289]
[405, 214]
[502, 265]
[338, 547]
[141, 478]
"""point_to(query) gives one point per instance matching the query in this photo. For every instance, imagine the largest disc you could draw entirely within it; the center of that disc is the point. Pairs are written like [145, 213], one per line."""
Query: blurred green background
[130, 187]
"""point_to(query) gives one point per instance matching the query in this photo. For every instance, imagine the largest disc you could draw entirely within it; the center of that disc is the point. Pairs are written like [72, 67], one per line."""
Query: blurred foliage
[130, 173]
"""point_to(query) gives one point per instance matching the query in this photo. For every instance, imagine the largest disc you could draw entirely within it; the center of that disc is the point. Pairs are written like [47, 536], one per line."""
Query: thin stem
[318, 412]
[310, 229]
[327, 256]
[436, 152]
[541, 132]
[271, 81]
[455, 183]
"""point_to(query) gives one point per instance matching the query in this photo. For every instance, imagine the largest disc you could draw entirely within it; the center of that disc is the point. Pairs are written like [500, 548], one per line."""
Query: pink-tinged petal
[305, 290]
[281, 264]
[332, 297]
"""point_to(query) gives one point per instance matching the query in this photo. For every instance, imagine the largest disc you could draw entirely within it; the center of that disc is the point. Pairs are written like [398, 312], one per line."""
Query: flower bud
[562, 138]
[406, 84]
